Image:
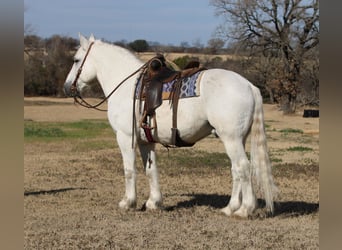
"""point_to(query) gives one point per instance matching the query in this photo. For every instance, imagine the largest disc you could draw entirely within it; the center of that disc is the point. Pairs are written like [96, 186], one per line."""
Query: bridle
[78, 98]
[73, 87]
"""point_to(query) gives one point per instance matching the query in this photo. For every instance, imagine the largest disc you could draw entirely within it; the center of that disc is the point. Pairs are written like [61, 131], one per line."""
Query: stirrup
[147, 122]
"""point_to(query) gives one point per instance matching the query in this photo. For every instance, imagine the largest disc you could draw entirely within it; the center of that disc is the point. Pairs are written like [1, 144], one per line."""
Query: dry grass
[73, 186]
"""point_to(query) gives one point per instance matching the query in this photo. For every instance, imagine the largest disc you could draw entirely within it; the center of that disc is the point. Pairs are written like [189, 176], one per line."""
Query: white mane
[113, 63]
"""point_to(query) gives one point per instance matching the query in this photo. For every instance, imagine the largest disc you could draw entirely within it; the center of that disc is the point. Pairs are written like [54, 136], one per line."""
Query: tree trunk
[288, 103]
[270, 93]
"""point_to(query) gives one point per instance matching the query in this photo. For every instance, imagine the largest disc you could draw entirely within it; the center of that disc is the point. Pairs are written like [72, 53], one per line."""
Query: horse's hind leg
[148, 155]
[242, 201]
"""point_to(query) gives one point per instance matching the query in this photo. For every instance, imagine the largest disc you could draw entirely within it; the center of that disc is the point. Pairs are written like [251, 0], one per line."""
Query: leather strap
[175, 138]
[148, 134]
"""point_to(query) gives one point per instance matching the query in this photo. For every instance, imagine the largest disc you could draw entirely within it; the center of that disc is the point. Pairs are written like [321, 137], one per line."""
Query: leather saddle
[154, 88]
[154, 76]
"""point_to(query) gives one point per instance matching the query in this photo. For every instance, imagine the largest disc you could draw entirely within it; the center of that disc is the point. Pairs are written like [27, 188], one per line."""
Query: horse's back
[225, 82]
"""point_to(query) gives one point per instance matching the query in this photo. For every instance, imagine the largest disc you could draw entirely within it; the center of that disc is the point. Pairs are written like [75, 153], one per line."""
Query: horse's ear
[92, 38]
[83, 41]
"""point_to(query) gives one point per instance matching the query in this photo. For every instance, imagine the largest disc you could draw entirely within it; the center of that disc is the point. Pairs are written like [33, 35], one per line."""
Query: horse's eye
[76, 60]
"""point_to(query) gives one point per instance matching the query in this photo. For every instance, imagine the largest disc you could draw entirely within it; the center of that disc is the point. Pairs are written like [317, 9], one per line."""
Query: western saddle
[152, 79]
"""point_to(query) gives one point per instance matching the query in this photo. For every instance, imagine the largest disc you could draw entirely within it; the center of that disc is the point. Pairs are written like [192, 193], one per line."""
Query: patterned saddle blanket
[189, 87]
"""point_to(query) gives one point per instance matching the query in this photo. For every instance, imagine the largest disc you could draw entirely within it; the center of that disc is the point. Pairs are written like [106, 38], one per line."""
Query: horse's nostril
[67, 89]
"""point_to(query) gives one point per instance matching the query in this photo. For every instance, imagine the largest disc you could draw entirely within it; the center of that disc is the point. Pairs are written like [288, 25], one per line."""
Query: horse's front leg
[128, 156]
[148, 155]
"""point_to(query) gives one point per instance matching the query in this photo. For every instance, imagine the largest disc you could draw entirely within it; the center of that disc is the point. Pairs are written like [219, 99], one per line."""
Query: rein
[78, 98]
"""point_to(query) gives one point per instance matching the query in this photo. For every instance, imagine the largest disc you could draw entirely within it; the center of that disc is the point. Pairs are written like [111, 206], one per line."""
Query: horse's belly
[192, 122]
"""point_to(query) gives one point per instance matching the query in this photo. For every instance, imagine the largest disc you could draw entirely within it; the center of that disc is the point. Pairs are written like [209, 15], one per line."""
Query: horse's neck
[114, 65]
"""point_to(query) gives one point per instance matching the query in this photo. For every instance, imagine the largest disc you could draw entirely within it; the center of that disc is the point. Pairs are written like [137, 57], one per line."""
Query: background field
[74, 181]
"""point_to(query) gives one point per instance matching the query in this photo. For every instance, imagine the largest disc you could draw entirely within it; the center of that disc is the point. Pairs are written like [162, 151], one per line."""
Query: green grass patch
[36, 131]
[62, 130]
[291, 130]
[267, 126]
[299, 149]
[276, 160]
[87, 125]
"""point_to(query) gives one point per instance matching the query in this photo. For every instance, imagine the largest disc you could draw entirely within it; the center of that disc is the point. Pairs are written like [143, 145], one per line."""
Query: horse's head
[83, 70]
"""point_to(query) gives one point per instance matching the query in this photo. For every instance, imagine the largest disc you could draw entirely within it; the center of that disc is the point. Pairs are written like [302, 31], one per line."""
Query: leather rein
[78, 98]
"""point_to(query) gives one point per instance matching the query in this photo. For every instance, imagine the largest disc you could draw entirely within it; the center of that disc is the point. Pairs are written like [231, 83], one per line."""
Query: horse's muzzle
[67, 89]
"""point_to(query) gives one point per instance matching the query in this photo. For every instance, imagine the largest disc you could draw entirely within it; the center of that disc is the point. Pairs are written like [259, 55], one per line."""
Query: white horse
[228, 103]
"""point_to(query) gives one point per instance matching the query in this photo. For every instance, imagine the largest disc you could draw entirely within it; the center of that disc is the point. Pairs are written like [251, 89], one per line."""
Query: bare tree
[47, 64]
[286, 29]
[215, 45]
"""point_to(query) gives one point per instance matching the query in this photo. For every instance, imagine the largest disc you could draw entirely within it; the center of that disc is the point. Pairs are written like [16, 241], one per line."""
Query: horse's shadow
[51, 191]
[216, 201]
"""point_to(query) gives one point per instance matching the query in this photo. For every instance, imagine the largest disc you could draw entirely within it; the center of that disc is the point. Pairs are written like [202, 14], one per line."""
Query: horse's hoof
[241, 213]
[127, 204]
[153, 205]
[227, 211]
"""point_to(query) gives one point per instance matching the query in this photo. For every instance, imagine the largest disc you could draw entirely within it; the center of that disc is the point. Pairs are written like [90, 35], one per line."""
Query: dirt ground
[71, 200]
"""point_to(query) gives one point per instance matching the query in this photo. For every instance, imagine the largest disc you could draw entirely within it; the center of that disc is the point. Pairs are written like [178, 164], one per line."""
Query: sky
[164, 21]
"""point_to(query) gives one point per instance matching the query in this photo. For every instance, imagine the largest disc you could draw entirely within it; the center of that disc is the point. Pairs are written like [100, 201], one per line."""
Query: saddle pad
[190, 87]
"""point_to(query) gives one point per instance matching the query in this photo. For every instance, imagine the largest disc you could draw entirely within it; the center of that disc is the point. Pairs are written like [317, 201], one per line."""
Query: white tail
[259, 153]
